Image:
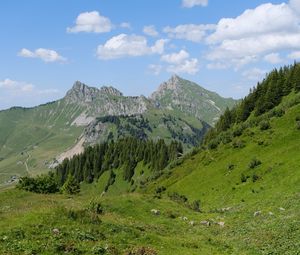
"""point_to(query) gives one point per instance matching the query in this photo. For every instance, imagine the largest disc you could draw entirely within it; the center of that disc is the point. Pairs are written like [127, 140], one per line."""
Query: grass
[260, 214]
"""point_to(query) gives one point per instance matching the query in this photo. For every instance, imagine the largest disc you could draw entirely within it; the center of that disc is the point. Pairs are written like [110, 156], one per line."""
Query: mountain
[34, 139]
[238, 193]
[185, 96]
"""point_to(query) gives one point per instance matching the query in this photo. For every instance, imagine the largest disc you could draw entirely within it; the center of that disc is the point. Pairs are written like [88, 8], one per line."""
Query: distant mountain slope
[31, 138]
[188, 97]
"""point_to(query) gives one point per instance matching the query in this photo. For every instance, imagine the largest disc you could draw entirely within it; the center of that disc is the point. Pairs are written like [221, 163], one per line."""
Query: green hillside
[237, 194]
[34, 139]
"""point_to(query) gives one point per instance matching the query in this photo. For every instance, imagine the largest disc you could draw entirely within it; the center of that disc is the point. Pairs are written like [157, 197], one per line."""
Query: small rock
[271, 214]
[155, 211]
[281, 209]
[256, 213]
[55, 231]
[221, 224]
[192, 223]
[205, 222]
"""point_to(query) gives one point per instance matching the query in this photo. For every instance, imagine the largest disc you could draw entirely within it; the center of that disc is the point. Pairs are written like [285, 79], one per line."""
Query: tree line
[125, 153]
[262, 98]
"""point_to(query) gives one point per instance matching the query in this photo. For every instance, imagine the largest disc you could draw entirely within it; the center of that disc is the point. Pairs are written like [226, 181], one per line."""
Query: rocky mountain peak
[81, 92]
[111, 91]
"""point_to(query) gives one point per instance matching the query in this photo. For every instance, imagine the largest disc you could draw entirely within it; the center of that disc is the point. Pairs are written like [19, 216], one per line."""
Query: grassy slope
[127, 221]
[206, 177]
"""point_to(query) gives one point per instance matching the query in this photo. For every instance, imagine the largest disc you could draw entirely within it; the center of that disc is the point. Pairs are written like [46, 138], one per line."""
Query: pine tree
[71, 186]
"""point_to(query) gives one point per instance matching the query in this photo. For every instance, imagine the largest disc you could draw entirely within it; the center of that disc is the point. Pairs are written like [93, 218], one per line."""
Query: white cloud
[91, 22]
[16, 86]
[175, 58]
[46, 55]
[295, 5]
[273, 58]
[255, 34]
[190, 32]
[192, 3]
[189, 66]
[294, 55]
[181, 63]
[155, 69]
[126, 25]
[124, 45]
[150, 30]
[254, 74]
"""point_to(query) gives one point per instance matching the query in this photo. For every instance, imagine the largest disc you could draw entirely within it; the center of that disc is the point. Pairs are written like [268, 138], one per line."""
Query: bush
[195, 206]
[238, 144]
[71, 186]
[297, 118]
[213, 144]
[95, 207]
[238, 131]
[44, 184]
[230, 166]
[298, 125]
[243, 178]
[255, 177]
[264, 125]
[254, 163]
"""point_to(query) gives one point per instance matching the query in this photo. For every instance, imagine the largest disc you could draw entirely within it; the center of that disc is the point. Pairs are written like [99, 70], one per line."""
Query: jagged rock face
[81, 93]
[96, 102]
[190, 98]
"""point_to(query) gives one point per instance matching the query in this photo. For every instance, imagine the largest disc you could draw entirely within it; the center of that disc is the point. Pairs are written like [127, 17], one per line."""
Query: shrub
[195, 205]
[238, 131]
[230, 166]
[238, 144]
[44, 184]
[243, 178]
[226, 138]
[71, 186]
[255, 177]
[160, 189]
[298, 125]
[213, 144]
[264, 125]
[297, 118]
[95, 207]
[254, 163]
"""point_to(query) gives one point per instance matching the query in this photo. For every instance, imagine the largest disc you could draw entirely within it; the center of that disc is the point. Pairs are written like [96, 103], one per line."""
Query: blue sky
[134, 45]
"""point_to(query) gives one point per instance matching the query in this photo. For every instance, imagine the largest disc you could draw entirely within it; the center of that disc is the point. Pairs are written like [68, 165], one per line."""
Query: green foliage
[254, 163]
[255, 177]
[125, 153]
[71, 186]
[264, 125]
[44, 184]
[243, 177]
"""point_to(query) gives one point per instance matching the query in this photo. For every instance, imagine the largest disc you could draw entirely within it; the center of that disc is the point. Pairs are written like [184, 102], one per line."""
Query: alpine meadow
[182, 168]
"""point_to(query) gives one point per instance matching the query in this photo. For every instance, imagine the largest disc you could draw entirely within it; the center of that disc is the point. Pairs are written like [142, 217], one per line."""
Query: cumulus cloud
[150, 30]
[126, 25]
[175, 58]
[254, 74]
[192, 3]
[273, 58]
[124, 45]
[181, 62]
[91, 22]
[190, 32]
[256, 33]
[21, 87]
[46, 55]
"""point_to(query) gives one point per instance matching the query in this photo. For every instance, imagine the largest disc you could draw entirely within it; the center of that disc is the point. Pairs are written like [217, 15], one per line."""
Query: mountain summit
[186, 96]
